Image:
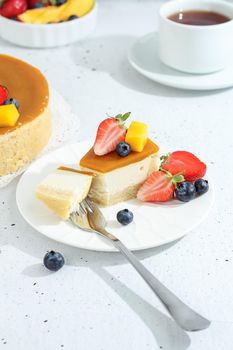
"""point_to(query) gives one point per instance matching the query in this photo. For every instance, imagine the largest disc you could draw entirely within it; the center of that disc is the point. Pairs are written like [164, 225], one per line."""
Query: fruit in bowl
[45, 11]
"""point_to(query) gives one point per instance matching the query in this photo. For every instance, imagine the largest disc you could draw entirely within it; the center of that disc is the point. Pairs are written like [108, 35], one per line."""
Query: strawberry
[159, 187]
[3, 94]
[13, 8]
[110, 132]
[192, 167]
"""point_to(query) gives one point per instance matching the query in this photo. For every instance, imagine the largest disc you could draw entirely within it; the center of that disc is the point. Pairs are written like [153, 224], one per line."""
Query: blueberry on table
[12, 101]
[53, 261]
[123, 149]
[72, 17]
[201, 186]
[125, 217]
[185, 191]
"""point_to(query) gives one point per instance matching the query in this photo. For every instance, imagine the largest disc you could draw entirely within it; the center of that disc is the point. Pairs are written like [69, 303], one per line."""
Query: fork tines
[88, 205]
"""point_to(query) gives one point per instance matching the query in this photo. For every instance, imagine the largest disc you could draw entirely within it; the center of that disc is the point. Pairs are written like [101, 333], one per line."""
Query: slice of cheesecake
[118, 179]
[63, 190]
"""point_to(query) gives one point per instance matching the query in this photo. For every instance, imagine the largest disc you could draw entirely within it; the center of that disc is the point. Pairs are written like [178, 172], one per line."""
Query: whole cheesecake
[20, 144]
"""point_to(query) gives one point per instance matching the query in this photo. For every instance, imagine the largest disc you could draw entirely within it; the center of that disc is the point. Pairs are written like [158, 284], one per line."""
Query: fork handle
[187, 318]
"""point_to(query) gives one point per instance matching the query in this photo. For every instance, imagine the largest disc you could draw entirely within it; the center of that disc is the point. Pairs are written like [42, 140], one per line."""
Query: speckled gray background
[97, 301]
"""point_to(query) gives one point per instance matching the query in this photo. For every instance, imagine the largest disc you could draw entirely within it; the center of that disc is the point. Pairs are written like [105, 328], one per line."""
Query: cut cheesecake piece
[119, 178]
[63, 190]
[21, 143]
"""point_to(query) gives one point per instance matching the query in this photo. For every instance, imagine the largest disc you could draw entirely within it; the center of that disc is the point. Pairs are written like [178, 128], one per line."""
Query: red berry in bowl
[13, 8]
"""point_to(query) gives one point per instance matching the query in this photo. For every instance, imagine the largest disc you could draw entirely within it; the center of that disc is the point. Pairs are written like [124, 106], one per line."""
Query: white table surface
[97, 301]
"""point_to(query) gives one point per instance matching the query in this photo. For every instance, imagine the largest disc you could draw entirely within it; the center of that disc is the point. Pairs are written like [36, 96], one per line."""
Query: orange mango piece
[137, 136]
[8, 115]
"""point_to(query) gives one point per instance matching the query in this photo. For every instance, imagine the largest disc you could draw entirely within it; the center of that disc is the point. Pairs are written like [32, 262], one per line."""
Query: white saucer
[153, 225]
[144, 57]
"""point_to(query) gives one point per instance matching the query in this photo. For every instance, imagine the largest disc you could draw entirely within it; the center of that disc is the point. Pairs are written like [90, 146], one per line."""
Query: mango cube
[137, 136]
[55, 14]
[8, 115]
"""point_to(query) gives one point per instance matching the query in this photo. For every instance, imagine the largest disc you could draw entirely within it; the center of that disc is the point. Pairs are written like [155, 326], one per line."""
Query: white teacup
[196, 48]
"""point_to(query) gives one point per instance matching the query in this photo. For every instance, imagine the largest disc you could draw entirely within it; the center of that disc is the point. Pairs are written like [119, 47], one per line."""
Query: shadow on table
[167, 333]
[109, 54]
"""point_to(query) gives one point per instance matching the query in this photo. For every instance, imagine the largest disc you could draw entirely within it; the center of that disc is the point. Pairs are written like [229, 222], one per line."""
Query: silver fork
[90, 218]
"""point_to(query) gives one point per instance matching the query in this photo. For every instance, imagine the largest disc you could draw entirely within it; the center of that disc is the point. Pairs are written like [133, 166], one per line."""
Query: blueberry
[53, 261]
[185, 191]
[72, 17]
[37, 5]
[123, 149]
[12, 101]
[60, 2]
[201, 186]
[125, 216]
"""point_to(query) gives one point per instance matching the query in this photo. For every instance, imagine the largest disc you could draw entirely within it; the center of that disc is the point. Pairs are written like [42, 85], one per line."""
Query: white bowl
[48, 35]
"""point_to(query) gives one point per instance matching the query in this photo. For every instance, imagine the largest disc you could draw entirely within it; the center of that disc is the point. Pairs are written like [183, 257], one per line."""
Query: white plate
[144, 57]
[153, 225]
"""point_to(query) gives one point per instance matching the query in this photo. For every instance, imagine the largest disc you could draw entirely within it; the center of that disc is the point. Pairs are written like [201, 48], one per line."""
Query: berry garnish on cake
[122, 159]
[110, 133]
[9, 113]
[3, 94]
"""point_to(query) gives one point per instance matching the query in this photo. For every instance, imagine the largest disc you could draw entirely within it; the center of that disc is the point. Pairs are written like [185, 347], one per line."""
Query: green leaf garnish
[122, 117]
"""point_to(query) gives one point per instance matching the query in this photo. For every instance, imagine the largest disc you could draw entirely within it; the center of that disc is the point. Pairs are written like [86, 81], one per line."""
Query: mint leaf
[122, 117]
[125, 116]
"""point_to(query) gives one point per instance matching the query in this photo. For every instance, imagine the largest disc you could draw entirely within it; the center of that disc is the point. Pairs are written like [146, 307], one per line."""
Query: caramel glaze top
[27, 85]
[112, 161]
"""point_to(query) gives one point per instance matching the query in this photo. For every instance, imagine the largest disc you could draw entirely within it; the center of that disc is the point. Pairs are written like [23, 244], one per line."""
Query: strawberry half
[159, 187]
[193, 168]
[3, 94]
[13, 8]
[110, 132]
